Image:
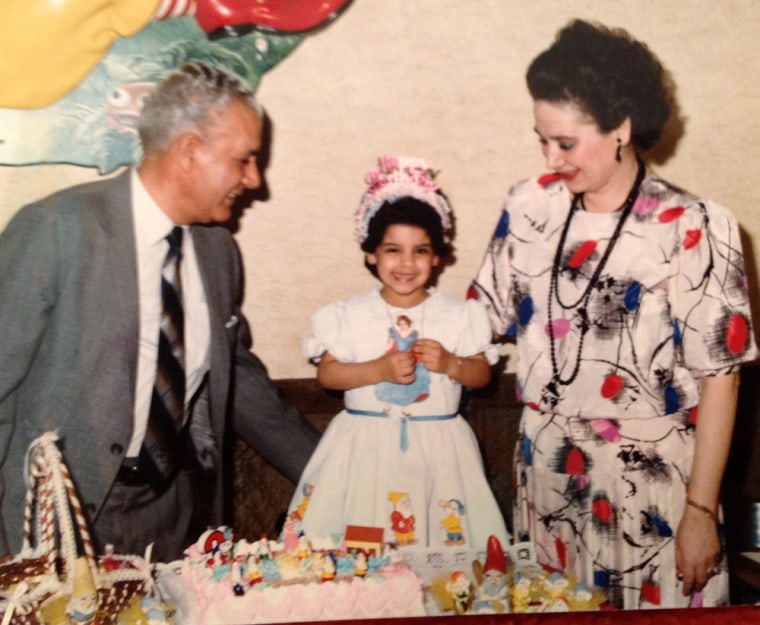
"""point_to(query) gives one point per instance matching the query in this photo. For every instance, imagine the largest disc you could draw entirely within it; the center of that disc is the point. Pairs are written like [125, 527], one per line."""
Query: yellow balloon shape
[49, 46]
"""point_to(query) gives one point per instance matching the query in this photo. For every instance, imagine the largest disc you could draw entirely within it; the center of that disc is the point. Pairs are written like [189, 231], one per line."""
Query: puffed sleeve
[492, 284]
[329, 334]
[711, 313]
[475, 336]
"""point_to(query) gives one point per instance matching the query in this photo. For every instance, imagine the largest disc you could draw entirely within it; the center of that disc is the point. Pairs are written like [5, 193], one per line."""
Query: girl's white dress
[413, 469]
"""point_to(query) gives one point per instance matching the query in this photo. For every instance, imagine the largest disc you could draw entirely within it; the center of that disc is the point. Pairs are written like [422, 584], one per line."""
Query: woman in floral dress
[627, 299]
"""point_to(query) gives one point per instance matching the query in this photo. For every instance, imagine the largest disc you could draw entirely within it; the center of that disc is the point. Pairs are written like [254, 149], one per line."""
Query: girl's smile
[404, 261]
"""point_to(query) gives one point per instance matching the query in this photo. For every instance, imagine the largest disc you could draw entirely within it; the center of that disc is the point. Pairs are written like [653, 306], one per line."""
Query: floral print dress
[610, 393]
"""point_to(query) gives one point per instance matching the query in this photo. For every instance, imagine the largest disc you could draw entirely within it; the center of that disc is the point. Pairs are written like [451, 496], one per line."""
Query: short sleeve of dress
[476, 334]
[711, 314]
[492, 284]
[328, 326]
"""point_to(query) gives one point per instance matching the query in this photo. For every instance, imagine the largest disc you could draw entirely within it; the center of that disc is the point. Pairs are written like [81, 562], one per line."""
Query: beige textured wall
[443, 79]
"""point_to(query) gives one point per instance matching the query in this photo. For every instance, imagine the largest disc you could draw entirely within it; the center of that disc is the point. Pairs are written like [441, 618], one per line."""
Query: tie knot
[175, 241]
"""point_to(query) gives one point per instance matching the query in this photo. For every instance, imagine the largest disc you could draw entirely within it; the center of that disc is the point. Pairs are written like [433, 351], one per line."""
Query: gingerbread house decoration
[368, 539]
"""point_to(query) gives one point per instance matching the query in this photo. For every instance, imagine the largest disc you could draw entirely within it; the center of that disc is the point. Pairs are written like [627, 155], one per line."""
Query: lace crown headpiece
[397, 177]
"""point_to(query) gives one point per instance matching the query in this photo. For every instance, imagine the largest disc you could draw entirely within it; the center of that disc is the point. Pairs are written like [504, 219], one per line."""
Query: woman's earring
[618, 156]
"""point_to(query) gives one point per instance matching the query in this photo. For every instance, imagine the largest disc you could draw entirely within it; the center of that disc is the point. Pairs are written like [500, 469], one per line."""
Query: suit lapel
[219, 307]
[117, 225]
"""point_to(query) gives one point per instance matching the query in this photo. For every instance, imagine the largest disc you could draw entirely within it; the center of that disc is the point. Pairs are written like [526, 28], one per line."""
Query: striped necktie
[160, 455]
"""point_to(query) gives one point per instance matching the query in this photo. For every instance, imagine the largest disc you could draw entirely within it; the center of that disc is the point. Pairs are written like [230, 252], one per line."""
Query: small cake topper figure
[329, 566]
[263, 546]
[360, 563]
[494, 584]
[303, 548]
[253, 571]
[236, 577]
[460, 588]
[290, 534]
[521, 592]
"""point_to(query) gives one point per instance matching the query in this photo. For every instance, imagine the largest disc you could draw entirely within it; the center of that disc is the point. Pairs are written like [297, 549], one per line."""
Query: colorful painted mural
[78, 103]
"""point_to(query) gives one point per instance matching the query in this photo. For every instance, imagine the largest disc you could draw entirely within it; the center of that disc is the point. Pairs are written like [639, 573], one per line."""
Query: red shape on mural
[236, 17]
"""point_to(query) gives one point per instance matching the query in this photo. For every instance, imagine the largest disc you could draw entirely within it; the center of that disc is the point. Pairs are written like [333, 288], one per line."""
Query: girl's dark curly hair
[409, 211]
[609, 75]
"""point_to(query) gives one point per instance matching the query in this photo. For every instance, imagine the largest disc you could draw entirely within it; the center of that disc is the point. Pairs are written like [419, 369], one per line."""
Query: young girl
[399, 454]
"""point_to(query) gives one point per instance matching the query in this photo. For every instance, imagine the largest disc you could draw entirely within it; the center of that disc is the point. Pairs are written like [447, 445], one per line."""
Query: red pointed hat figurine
[495, 560]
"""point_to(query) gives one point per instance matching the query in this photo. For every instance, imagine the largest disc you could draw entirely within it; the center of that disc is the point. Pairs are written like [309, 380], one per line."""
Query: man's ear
[187, 147]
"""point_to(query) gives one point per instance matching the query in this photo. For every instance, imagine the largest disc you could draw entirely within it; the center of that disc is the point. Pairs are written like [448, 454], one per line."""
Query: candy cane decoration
[174, 8]
[56, 498]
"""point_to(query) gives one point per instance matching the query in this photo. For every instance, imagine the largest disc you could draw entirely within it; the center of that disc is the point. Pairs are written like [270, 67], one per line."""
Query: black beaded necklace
[581, 303]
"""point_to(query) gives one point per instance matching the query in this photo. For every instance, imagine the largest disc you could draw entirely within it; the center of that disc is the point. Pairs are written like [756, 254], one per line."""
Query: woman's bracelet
[702, 508]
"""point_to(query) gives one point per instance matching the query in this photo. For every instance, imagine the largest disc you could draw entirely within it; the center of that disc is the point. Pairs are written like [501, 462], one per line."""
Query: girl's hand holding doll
[474, 371]
[397, 367]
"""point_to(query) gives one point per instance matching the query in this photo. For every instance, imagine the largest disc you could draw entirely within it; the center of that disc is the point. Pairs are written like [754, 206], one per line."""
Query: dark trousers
[134, 516]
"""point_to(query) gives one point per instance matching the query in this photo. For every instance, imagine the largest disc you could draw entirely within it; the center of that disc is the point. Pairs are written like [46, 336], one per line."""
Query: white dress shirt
[151, 226]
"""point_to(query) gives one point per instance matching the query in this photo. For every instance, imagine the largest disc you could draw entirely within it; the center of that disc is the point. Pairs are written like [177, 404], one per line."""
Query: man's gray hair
[188, 99]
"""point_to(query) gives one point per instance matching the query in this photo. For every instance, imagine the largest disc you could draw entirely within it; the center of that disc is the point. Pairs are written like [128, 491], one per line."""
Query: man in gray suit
[82, 309]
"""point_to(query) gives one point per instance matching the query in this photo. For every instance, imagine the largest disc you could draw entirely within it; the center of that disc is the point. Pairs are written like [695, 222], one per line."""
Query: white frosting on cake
[292, 588]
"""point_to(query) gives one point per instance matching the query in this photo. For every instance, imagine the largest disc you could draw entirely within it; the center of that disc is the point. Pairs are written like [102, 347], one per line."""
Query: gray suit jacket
[68, 352]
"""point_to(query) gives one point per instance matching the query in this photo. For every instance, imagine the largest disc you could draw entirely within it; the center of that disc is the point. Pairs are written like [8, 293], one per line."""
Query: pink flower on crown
[398, 177]
[387, 164]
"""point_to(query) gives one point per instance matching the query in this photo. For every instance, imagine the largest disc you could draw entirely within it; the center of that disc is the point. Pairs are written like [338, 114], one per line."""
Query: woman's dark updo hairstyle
[608, 75]
[409, 211]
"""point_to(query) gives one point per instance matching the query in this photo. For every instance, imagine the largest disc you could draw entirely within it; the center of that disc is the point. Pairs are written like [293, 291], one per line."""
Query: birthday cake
[358, 576]
[221, 580]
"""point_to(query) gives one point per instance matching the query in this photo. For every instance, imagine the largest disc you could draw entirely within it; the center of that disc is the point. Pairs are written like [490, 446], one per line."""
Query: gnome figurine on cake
[460, 589]
[492, 580]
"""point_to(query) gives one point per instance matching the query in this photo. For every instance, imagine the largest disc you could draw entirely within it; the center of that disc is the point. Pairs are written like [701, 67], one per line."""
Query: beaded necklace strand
[582, 301]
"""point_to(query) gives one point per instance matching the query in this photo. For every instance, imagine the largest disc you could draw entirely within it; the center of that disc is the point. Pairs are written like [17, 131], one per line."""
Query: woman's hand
[698, 549]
